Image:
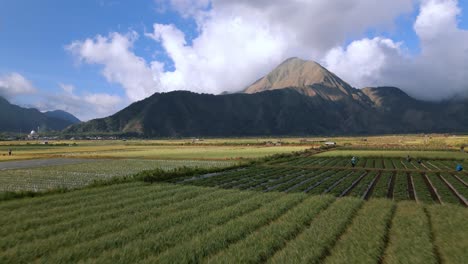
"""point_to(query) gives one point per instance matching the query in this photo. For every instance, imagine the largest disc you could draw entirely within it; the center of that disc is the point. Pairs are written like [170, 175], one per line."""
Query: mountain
[308, 78]
[297, 98]
[14, 118]
[60, 114]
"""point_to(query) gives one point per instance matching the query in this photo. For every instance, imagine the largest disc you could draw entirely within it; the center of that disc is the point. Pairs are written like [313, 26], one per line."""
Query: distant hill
[60, 114]
[14, 118]
[297, 98]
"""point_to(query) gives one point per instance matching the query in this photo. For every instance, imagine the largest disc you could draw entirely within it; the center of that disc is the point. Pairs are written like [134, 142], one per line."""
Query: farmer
[459, 167]
[9, 152]
[408, 158]
[353, 161]
[419, 161]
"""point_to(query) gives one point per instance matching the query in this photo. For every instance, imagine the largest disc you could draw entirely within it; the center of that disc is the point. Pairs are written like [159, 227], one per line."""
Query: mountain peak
[301, 74]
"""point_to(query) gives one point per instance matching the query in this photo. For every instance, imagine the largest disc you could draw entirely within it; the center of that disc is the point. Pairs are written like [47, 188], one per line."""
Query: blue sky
[34, 36]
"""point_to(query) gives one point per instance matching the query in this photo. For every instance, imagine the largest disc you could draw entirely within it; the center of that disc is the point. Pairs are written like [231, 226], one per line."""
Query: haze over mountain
[60, 114]
[14, 118]
[296, 98]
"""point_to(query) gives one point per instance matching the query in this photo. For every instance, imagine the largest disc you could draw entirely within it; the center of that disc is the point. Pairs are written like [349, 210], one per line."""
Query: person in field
[459, 167]
[408, 158]
[9, 152]
[353, 162]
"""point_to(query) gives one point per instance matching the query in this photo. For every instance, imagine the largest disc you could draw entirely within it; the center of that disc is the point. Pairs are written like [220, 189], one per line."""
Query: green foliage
[410, 236]
[160, 175]
[172, 223]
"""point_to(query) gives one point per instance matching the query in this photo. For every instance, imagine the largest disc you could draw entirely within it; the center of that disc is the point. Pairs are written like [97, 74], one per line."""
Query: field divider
[288, 181]
[391, 185]
[454, 191]
[175, 213]
[313, 244]
[38, 248]
[368, 193]
[460, 180]
[167, 234]
[406, 169]
[57, 217]
[263, 243]
[435, 247]
[411, 189]
[51, 200]
[364, 239]
[318, 183]
[211, 242]
[304, 182]
[430, 163]
[432, 189]
[45, 231]
[351, 187]
[336, 183]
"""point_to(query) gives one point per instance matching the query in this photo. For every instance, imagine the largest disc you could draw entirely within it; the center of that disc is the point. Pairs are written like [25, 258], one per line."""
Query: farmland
[167, 223]
[214, 203]
[431, 181]
[78, 175]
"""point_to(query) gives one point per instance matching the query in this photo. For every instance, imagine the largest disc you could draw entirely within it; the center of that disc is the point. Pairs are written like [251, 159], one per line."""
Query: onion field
[430, 181]
[78, 175]
[173, 223]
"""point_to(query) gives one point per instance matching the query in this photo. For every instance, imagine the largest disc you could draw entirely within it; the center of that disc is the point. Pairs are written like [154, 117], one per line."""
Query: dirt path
[24, 164]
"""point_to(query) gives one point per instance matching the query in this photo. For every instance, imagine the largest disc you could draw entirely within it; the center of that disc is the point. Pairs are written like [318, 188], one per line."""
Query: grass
[310, 245]
[168, 223]
[146, 151]
[364, 240]
[410, 236]
[450, 232]
[260, 245]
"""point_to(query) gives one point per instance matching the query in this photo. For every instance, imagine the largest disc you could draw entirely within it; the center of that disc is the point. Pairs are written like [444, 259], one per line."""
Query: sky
[95, 57]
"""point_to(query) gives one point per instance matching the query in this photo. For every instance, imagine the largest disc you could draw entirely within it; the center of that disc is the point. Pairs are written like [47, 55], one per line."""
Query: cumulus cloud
[239, 41]
[121, 65]
[14, 84]
[437, 72]
[362, 61]
[85, 107]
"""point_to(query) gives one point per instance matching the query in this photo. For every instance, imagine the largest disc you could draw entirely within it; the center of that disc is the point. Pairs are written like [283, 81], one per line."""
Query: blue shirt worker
[353, 161]
[459, 167]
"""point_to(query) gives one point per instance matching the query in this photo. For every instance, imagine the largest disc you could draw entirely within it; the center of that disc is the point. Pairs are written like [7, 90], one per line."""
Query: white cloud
[85, 107]
[438, 72]
[361, 62]
[14, 84]
[121, 65]
[239, 41]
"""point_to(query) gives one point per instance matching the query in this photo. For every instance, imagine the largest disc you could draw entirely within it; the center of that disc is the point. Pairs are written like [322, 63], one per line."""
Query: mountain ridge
[14, 118]
[296, 98]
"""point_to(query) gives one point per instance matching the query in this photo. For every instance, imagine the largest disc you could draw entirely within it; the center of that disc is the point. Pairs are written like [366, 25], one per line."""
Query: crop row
[78, 175]
[173, 223]
[368, 163]
[424, 187]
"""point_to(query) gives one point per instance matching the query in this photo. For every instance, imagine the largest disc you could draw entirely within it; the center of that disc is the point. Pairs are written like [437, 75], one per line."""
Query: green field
[291, 208]
[432, 181]
[79, 175]
[140, 150]
[427, 154]
[164, 223]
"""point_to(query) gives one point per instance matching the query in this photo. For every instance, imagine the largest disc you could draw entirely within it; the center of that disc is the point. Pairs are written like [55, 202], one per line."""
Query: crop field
[79, 175]
[171, 223]
[383, 153]
[141, 150]
[431, 181]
